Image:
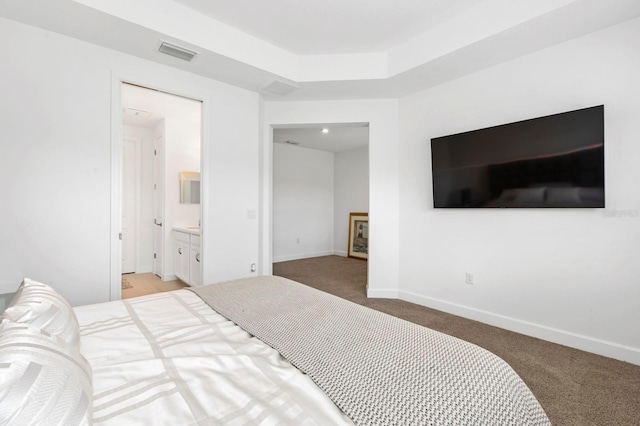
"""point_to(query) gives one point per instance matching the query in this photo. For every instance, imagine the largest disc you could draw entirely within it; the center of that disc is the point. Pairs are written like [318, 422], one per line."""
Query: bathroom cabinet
[187, 255]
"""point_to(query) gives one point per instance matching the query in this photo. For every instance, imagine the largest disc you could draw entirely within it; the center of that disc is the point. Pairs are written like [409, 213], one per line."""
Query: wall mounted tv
[552, 161]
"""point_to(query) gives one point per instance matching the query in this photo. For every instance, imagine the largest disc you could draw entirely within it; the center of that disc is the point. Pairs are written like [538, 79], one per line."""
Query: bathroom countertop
[193, 230]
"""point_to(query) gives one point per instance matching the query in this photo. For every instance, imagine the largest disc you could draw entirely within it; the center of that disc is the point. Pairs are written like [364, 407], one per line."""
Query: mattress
[169, 358]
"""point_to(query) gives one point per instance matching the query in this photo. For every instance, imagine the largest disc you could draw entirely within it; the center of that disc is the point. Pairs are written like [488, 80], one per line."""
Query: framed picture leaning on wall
[359, 235]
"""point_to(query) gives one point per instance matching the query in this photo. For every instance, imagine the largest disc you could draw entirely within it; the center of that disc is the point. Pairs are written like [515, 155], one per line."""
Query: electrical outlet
[253, 267]
[468, 278]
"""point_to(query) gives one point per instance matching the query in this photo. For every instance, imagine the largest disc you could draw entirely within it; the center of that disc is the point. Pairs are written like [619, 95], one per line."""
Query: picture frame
[358, 235]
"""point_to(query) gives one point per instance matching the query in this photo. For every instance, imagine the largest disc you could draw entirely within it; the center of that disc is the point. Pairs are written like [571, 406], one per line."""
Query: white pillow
[45, 381]
[509, 194]
[564, 197]
[592, 194]
[530, 196]
[41, 306]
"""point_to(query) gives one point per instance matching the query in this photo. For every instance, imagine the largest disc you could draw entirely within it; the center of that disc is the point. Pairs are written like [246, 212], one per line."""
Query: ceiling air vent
[135, 112]
[177, 51]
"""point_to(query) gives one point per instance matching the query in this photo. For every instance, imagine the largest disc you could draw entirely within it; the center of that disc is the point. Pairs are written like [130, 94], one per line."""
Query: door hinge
[154, 255]
[155, 152]
[120, 236]
[155, 186]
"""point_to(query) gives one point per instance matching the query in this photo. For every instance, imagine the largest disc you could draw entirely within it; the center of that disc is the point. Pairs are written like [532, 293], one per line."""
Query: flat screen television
[551, 161]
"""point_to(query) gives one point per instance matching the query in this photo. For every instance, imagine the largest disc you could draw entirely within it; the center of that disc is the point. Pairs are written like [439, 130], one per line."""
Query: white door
[129, 203]
[158, 203]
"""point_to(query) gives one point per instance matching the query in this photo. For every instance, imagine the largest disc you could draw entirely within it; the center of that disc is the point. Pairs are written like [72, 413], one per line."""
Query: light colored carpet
[143, 284]
[575, 388]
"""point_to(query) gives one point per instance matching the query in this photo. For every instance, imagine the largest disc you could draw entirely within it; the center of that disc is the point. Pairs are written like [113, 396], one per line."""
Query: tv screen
[552, 161]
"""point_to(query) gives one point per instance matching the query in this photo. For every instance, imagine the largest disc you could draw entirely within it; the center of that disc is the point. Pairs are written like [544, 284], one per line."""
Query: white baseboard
[382, 293]
[168, 277]
[286, 258]
[574, 340]
[340, 253]
[144, 269]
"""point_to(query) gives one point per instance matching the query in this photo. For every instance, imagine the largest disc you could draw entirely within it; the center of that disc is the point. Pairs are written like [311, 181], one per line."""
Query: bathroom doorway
[161, 137]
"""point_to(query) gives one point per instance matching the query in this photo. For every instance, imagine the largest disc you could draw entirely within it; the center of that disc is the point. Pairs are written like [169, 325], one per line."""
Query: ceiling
[330, 49]
[320, 27]
[143, 107]
[340, 137]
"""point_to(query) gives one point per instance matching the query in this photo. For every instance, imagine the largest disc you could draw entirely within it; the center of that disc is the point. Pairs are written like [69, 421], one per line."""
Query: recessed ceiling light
[325, 130]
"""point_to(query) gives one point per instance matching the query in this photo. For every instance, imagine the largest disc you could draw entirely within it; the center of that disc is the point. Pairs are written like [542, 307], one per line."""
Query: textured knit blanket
[379, 369]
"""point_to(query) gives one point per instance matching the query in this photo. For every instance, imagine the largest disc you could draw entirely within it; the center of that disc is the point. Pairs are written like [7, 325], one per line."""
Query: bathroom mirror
[190, 187]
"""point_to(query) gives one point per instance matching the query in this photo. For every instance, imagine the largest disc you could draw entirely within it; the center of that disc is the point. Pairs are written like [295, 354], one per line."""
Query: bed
[563, 195]
[262, 350]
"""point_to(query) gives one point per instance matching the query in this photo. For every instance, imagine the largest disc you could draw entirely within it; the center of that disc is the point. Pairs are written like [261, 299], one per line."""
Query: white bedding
[170, 359]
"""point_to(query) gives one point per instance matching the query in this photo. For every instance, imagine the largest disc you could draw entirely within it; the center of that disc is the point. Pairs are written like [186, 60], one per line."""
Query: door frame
[157, 246]
[137, 182]
[173, 87]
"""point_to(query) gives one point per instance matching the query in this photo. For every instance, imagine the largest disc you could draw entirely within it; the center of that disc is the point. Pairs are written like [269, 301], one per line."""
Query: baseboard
[573, 340]
[382, 293]
[168, 278]
[144, 269]
[341, 253]
[287, 258]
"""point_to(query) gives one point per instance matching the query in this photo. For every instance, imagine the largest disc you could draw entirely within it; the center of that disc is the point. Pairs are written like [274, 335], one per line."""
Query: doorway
[320, 174]
[161, 137]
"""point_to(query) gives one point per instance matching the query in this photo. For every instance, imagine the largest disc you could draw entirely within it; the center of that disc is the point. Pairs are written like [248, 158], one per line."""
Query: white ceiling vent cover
[177, 51]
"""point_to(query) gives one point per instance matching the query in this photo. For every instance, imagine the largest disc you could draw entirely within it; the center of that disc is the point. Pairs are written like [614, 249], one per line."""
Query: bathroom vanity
[187, 255]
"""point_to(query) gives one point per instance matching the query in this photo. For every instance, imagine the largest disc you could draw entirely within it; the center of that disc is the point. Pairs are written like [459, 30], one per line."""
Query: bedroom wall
[302, 202]
[382, 116]
[565, 275]
[351, 193]
[144, 239]
[55, 163]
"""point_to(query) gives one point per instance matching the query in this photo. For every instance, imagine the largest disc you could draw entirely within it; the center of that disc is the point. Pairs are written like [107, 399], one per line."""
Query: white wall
[566, 275]
[302, 202]
[382, 116]
[313, 194]
[144, 228]
[351, 193]
[182, 145]
[56, 163]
